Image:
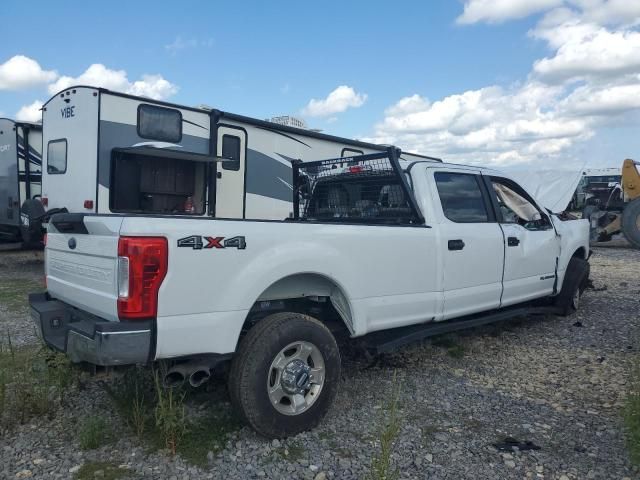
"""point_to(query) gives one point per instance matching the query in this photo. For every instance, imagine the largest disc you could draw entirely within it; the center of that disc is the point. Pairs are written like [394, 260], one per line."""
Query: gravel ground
[557, 382]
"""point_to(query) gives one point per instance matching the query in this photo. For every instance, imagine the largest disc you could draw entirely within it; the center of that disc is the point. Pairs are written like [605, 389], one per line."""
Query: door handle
[219, 174]
[513, 241]
[456, 244]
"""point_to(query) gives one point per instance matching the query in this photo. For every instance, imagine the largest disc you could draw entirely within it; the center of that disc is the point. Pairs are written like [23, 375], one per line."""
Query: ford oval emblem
[72, 243]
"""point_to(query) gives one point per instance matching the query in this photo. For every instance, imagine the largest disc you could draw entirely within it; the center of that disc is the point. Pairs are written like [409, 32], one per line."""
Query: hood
[552, 189]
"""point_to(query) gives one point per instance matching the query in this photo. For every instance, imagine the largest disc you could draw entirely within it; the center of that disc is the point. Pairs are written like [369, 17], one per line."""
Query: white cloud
[588, 50]
[492, 125]
[495, 11]
[20, 72]
[589, 79]
[337, 101]
[180, 44]
[606, 12]
[97, 75]
[590, 100]
[602, 12]
[30, 113]
[153, 86]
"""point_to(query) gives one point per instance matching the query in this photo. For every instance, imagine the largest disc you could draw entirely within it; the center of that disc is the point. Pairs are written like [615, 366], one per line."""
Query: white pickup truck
[376, 248]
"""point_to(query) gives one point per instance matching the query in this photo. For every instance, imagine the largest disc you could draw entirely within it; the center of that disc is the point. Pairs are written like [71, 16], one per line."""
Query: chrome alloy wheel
[296, 377]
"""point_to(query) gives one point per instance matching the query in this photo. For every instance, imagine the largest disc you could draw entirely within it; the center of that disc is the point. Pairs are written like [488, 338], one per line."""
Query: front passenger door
[532, 246]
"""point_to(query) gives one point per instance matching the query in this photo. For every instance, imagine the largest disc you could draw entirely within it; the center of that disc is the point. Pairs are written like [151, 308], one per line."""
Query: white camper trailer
[20, 178]
[108, 152]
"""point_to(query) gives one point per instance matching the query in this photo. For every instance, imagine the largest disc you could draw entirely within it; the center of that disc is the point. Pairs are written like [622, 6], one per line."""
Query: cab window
[516, 206]
[461, 197]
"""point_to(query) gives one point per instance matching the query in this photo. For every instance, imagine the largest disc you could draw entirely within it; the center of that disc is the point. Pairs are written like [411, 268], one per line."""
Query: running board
[388, 340]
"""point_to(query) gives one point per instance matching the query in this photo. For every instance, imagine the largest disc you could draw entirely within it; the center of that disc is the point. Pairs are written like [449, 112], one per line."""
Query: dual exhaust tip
[195, 374]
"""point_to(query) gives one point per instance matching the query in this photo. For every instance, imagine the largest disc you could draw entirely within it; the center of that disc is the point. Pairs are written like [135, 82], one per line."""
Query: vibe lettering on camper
[68, 112]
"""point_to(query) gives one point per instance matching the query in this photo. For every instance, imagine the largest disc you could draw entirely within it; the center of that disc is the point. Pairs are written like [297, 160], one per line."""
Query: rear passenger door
[471, 242]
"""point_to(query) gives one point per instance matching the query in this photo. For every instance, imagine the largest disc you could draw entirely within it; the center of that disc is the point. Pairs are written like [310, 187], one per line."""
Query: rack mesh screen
[353, 191]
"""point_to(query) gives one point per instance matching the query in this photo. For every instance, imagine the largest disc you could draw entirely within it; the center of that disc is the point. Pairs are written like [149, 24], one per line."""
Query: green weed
[632, 418]
[381, 465]
[14, 293]
[32, 381]
[94, 433]
[169, 414]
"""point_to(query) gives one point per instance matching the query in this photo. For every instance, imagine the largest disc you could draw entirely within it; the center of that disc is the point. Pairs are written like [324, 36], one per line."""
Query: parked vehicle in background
[596, 187]
[620, 209]
[386, 250]
[20, 181]
[108, 152]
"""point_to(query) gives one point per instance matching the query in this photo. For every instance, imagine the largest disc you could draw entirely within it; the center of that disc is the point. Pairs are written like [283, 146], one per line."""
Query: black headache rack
[364, 189]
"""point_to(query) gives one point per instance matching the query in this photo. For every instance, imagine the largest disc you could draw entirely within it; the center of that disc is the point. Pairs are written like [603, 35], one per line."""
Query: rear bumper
[87, 338]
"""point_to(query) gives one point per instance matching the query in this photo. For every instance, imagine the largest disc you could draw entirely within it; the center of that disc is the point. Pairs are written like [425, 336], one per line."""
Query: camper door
[230, 177]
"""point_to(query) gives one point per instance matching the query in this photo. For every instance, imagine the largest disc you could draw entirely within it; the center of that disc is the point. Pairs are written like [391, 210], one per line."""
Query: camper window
[158, 123]
[231, 151]
[57, 156]
[148, 184]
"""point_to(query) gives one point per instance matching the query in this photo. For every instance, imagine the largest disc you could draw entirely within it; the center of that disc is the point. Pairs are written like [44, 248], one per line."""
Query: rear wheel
[284, 376]
[31, 215]
[573, 286]
[631, 222]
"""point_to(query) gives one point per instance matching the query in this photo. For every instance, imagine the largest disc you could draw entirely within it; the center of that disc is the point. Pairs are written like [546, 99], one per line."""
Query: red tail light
[355, 169]
[142, 266]
[44, 201]
[88, 204]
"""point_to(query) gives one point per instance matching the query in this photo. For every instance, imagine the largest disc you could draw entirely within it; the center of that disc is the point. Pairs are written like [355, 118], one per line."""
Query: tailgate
[81, 262]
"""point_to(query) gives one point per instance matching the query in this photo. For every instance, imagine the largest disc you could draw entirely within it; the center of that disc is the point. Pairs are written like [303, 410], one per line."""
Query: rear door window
[57, 156]
[461, 197]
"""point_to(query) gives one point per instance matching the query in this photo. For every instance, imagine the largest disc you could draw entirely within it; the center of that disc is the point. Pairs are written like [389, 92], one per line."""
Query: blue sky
[269, 58]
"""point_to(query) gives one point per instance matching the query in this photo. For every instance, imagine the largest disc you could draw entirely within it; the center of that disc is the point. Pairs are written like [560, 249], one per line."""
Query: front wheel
[573, 286]
[284, 376]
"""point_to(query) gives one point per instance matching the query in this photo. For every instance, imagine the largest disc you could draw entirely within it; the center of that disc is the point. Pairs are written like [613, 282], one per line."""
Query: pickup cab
[375, 248]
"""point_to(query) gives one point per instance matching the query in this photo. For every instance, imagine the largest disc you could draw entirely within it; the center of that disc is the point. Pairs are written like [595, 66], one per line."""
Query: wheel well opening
[308, 293]
[580, 253]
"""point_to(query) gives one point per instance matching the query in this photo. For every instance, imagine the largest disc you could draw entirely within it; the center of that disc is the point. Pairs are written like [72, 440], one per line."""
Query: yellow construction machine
[621, 210]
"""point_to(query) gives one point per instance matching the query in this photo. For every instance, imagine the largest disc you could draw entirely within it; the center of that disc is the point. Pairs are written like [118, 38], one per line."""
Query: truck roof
[407, 165]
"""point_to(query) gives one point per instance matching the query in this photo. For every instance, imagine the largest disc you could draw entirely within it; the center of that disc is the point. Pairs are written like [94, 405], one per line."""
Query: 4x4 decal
[198, 242]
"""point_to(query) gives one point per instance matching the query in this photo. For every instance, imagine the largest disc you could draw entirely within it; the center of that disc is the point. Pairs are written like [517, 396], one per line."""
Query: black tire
[31, 229]
[250, 372]
[575, 281]
[631, 222]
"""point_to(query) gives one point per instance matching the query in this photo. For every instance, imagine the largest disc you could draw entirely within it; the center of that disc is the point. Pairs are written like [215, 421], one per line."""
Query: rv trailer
[20, 179]
[108, 152]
